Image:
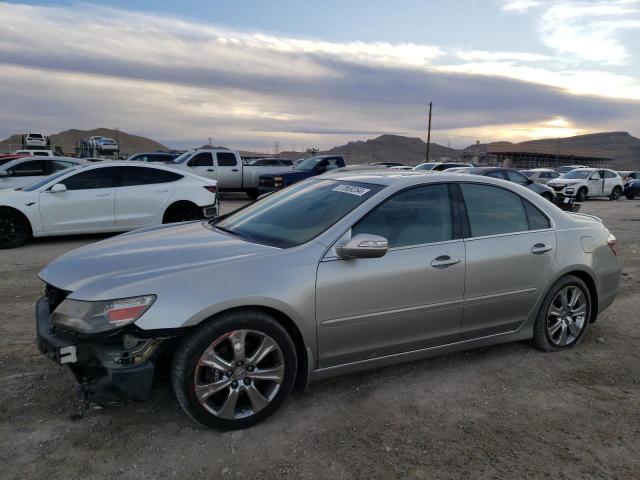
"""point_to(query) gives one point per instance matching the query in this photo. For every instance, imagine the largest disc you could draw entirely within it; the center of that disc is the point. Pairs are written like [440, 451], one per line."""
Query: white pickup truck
[226, 167]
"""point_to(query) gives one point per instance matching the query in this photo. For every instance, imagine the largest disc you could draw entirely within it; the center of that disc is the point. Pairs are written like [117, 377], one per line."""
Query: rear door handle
[162, 191]
[540, 248]
[103, 195]
[444, 261]
[210, 170]
[234, 169]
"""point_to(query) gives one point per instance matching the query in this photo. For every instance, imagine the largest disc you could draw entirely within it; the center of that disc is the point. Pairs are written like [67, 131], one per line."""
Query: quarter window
[493, 210]
[227, 160]
[413, 217]
[608, 174]
[58, 165]
[517, 177]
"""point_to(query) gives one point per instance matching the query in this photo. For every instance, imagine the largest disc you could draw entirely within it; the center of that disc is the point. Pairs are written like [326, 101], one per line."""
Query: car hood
[564, 181]
[142, 254]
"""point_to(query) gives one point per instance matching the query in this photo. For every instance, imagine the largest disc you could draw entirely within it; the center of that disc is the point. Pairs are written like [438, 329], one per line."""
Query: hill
[129, 144]
[387, 148]
[624, 147]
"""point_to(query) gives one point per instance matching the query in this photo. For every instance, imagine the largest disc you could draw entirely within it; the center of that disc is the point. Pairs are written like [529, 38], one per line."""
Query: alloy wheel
[10, 229]
[567, 316]
[239, 374]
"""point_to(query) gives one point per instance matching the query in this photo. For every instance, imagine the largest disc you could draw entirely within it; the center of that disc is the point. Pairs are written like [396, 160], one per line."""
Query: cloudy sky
[250, 73]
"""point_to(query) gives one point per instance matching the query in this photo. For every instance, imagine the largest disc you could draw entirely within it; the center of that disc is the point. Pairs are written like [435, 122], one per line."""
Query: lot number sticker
[351, 189]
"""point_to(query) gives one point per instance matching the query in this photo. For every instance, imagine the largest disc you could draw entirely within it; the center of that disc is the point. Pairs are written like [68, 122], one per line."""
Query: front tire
[564, 315]
[14, 228]
[234, 370]
[630, 195]
[581, 196]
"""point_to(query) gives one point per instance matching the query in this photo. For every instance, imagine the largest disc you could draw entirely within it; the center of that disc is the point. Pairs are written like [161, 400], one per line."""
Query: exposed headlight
[96, 317]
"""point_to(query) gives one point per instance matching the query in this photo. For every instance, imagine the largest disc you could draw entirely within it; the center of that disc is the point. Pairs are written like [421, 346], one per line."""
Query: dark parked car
[163, 157]
[512, 176]
[632, 189]
[310, 167]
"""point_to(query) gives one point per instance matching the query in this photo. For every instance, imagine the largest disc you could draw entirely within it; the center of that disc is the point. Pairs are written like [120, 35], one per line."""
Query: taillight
[611, 241]
[211, 188]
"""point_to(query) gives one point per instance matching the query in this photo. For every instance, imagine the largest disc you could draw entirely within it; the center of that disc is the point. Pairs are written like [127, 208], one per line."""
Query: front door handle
[162, 191]
[103, 195]
[234, 169]
[444, 261]
[210, 170]
[540, 248]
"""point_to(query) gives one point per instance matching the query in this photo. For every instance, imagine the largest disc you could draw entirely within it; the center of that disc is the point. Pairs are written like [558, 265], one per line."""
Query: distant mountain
[129, 144]
[624, 147]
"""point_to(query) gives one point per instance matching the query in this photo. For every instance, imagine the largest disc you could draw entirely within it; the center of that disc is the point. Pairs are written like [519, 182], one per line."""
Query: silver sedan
[343, 272]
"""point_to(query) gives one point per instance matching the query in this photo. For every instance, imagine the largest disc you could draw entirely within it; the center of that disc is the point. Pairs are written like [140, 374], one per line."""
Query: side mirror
[58, 187]
[364, 246]
[4, 174]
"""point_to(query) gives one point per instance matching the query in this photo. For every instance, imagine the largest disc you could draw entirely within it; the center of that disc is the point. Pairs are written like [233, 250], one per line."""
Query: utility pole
[429, 132]
[210, 142]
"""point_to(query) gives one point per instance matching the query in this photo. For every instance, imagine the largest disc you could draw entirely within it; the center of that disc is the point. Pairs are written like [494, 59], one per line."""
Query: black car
[310, 167]
[632, 189]
[512, 176]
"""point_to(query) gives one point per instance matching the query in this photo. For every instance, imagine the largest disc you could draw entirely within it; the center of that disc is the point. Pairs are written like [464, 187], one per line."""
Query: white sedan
[26, 170]
[104, 197]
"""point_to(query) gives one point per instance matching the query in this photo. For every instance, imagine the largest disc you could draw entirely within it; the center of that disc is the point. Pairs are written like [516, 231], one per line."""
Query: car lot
[500, 411]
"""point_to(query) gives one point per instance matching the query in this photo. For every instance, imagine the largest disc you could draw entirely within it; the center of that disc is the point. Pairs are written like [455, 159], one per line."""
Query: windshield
[577, 174]
[182, 158]
[42, 182]
[425, 166]
[307, 164]
[297, 214]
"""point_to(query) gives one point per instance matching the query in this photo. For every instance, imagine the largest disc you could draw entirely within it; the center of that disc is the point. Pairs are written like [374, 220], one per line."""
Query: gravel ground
[507, 411]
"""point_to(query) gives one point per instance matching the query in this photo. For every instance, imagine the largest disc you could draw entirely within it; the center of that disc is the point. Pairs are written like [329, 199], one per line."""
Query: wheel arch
[589, 280]
[302, 352]
[21, 214]
[175, 204]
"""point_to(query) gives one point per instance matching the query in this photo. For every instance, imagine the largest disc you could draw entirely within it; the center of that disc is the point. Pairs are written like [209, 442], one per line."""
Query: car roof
[20, 160]
[401, 177]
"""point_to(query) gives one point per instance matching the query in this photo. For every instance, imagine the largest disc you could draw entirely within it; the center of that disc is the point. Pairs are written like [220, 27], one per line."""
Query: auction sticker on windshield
[352, 189]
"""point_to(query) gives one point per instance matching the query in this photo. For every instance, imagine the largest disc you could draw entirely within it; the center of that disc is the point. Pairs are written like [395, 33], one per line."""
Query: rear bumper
[106, 371]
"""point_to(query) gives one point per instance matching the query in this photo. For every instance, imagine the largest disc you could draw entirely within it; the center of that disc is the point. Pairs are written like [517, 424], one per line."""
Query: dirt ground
[507, 411]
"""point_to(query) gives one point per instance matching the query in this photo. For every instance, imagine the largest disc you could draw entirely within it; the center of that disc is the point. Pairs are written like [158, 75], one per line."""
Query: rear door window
[516, 177]
[131, 176]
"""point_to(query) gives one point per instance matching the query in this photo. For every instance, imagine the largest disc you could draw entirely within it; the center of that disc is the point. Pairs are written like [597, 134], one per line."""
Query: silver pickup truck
[227, 168]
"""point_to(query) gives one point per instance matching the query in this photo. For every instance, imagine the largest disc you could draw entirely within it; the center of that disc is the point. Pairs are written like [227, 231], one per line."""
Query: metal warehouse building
[532, 156]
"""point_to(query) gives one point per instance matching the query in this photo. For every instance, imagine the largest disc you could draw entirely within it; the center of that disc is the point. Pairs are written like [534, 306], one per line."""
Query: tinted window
[413, 217]
[495, 174]
[95, 178]
[203, 159]
[608, 174]
[537, 221]
[57, 165]
[493, 210]
[286, 163]
[40, 154]
[516, 177]
[27, 169]
[131, 176]
[226, 160]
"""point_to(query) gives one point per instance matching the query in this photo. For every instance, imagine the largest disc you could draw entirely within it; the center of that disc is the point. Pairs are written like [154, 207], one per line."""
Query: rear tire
[182, 212]
[581, 196]
[564, 315]
[14, 228]
[616, 193]
[221, 385]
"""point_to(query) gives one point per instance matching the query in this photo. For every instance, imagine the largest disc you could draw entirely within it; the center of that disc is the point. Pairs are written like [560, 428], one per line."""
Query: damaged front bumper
[109, 368]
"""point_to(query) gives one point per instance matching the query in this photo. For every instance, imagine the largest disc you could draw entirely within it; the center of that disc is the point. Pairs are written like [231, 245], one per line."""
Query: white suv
[583, 183]
[35, 140]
